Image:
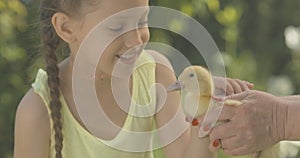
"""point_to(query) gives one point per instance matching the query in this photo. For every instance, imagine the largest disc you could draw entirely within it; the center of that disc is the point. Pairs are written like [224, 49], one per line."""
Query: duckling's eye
[192, 75]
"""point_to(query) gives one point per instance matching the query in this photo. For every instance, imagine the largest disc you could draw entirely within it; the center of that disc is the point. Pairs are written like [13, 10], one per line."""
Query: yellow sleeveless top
[79, 143]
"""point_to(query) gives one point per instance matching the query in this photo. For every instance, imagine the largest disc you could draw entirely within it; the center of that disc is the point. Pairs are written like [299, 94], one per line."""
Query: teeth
[128, 56]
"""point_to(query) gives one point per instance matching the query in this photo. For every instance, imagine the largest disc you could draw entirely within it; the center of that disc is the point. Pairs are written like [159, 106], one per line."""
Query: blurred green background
[259, 40]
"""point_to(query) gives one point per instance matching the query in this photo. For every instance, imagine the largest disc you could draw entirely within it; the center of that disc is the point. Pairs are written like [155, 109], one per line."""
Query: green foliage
[249, 33]
[14, 60]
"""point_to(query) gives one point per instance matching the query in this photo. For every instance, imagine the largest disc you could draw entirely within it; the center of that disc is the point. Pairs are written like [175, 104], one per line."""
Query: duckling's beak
[175, 86]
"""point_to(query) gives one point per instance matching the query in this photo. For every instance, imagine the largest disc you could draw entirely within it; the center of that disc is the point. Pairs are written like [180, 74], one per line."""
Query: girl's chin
[123, 69]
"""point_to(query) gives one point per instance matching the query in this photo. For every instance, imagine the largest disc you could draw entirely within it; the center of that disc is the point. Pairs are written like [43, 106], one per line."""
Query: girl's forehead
[120, 5]
[116, 9]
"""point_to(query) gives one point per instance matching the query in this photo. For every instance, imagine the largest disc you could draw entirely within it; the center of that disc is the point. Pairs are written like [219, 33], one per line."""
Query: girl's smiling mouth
[130, 56]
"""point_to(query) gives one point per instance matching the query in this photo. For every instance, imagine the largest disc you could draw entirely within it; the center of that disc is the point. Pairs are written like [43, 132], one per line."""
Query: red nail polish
[195, 122]
[216, 143]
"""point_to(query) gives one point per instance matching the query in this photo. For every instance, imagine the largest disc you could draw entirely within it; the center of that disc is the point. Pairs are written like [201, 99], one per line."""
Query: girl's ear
[62, 24]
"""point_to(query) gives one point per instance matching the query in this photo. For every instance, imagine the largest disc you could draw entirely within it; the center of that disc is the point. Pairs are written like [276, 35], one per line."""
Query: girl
[47, 122]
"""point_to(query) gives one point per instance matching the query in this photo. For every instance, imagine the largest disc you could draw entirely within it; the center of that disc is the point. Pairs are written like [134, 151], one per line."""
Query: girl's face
[130, 29]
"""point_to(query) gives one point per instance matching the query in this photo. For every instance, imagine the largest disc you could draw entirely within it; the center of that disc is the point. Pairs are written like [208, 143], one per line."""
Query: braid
[51, 42]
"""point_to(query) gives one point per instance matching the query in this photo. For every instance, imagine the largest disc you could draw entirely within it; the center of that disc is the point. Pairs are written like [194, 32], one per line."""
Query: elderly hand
[232, 86]
[258, 123]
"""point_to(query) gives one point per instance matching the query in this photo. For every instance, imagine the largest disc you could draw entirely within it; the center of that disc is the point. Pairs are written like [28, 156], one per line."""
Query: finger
[238, 151]
[189, 119]
[229, 89]
[239, 96]
[227, 112]
[215, 145]
[223, 131]
[231, 143]
[242, 84]
[219, 91]
[219, 114]
[236, 87]
[249, 85]
[220, 86]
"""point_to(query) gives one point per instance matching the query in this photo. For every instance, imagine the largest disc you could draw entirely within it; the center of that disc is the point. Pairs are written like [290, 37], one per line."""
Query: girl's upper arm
[32, 128]
[165, 76]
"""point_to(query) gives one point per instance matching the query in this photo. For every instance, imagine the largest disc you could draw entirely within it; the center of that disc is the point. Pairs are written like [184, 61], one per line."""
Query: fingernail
[216, 143]
[195, 122]
[251, 84]
[207, 128]
[188, 119]
[218, 99]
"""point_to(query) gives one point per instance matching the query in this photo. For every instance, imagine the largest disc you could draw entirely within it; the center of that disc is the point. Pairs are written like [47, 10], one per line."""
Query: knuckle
[249, 136]
[215, 134]
[239, 81]
[229, 90]
[225, 144]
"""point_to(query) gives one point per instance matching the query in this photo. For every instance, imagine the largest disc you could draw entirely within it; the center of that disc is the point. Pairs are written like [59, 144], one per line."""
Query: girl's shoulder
[32, 112]
[32, 126]
[32, 109]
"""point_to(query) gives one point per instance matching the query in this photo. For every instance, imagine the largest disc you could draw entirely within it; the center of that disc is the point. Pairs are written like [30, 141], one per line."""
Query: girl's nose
[133, 38]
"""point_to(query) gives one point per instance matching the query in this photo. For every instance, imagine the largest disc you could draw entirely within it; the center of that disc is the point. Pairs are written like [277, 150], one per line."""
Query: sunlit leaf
[187, 9]
[230, 34]
[176, 25]
[2, 5]
[213, 5]
[17, 7]
[13, 53]
[6, 98]
[6, 27]
[16, 81]
[229, 16]
[280, 85]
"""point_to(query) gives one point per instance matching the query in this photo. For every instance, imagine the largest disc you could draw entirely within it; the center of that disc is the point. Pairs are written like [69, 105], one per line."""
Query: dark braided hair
[51, 42]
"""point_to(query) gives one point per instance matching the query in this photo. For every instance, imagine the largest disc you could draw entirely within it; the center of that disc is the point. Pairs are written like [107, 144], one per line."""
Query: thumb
[238, 96]
[215, 145]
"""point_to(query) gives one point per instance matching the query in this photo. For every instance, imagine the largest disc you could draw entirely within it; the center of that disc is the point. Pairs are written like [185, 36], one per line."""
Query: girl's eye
[116, 29]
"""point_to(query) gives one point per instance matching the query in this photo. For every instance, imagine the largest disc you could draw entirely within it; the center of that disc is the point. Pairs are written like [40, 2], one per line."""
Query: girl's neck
[101, 79]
